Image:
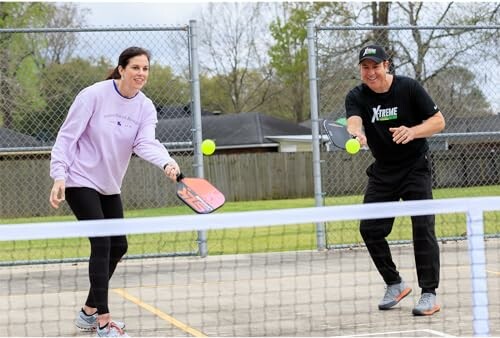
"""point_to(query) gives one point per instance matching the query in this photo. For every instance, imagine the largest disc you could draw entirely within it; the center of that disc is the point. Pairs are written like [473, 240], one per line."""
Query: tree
[455, 91]
[255, 87]
[166, 88]
[420, 53]
[17, 64]
[289, 52]
[59, 85]
[24, 56]
[232, 56]
[59, 47]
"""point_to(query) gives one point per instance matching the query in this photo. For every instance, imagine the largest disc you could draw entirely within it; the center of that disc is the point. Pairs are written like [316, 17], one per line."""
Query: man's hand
[402, 134]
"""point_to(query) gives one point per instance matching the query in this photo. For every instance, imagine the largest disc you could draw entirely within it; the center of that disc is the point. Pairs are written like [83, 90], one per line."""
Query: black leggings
[105, 252]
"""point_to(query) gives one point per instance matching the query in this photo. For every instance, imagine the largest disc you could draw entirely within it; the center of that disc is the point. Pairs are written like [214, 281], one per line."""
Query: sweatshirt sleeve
[146, 145]
[65, 147]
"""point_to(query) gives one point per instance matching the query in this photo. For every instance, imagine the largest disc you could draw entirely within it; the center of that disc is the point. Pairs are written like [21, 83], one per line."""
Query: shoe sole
[86, 329]
[90, 329]
[402, 295]
[430, 312]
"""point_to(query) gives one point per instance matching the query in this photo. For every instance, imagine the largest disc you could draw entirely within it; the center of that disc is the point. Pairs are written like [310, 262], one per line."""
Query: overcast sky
[142, 13]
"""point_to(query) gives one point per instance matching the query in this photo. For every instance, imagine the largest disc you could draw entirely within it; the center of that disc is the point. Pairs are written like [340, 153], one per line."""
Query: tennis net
[263, 275]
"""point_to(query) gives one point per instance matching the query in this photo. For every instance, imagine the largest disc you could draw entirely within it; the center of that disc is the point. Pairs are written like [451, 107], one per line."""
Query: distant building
[243, 132]
[13, 139]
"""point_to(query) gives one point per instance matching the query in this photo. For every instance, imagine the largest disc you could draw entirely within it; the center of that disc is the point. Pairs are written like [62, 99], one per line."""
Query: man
[393, 115]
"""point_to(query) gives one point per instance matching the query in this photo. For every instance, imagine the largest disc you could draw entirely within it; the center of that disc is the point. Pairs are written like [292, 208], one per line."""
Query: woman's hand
[172, 170]
[57, 193]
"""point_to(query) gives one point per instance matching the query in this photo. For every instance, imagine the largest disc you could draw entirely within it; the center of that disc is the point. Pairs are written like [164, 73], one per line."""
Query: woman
[106, 123]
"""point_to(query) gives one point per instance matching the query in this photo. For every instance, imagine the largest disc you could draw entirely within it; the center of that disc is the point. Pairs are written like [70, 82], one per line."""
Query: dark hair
[124, 58]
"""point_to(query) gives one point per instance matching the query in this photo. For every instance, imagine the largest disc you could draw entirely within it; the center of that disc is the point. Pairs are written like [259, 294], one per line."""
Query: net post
[475, 241]
[313, 92]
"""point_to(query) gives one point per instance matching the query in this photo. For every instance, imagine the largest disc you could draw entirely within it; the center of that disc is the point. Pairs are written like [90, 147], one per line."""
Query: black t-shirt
[406, 103]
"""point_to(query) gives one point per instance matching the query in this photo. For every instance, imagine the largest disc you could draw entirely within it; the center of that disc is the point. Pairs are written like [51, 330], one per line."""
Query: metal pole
[196, 116]
[313, 92]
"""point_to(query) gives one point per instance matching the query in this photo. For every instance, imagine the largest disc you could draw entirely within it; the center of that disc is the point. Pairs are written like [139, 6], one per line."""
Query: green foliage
[289, 53]
[23, 65]
[25, 14]
[215, 96]
[218, 94]
[60, 83]
[253, 240]
[289, 56]
[166, 88]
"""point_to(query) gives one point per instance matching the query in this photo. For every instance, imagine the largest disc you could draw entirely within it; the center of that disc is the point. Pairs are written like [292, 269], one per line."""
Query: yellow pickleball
[208, 147]
[352, 146]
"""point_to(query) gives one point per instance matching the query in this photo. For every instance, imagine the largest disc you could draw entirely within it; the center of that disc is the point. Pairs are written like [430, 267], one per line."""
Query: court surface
[332, 293]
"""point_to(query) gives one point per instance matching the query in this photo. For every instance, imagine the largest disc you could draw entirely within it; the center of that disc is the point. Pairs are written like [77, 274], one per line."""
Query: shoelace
[112, 324]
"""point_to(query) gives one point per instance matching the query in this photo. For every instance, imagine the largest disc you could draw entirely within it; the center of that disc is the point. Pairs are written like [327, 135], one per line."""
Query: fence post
[475, 241]
[313, 93]
[196, 116]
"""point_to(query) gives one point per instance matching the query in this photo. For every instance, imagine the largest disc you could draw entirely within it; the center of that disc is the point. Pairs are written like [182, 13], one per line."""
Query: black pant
[411, 181]
[105, 252]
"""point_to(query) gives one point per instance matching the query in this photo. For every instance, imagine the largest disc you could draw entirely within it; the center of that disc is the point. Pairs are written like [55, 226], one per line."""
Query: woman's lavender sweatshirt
[100, 133]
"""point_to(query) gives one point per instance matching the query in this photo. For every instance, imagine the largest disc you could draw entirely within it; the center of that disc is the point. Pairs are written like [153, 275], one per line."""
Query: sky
[149, 13]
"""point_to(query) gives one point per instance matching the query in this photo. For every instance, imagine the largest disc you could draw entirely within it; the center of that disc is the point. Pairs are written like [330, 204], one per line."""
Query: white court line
[433, 332]
[437, 333]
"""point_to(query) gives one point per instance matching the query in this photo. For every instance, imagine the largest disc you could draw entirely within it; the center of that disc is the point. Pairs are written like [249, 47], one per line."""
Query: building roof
[177, 111]
[12, 139]
[472, 124]
[230, 129]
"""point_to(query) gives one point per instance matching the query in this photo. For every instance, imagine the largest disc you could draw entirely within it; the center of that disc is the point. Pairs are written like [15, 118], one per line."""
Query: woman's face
[374, 75]
[135, 74]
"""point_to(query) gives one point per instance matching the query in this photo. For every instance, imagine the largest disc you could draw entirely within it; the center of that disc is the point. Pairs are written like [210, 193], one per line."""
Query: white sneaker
[426, 305]
[89, 322]
[393, 295]
[111, 330]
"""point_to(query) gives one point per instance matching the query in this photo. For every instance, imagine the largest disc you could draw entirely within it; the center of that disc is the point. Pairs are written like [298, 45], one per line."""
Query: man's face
[374, 75]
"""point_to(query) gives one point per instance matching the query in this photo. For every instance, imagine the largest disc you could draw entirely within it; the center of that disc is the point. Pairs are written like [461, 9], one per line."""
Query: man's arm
[429, 127]
[355, 128]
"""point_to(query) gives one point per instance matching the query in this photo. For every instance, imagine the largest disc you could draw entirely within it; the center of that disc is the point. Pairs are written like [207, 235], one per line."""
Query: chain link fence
[42, 70]
[458, 65]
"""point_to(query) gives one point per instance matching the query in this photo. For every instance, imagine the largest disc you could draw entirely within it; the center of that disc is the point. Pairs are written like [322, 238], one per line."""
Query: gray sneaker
[89, 323]
[426, 305]
[393, 295]
[111, 330]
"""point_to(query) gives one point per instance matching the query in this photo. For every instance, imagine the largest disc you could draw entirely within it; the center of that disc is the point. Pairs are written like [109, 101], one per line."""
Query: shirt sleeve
[146, 145]
[65, 148]
[423, 101]
[352, 108]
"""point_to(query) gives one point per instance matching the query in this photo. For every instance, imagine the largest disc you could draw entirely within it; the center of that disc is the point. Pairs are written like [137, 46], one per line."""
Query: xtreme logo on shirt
[385, 114]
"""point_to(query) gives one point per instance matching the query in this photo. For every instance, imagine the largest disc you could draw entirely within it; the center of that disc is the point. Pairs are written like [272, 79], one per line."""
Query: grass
[230, 241]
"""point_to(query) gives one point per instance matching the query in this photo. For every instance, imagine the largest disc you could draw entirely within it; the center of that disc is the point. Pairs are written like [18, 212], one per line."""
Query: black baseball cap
[373, 52]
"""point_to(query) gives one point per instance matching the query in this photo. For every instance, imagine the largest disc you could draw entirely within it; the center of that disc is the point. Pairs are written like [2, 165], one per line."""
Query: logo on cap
[370, 51]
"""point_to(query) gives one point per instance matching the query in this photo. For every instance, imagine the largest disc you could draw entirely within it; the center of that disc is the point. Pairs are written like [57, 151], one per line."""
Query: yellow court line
[493, 272]
[159, 313]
